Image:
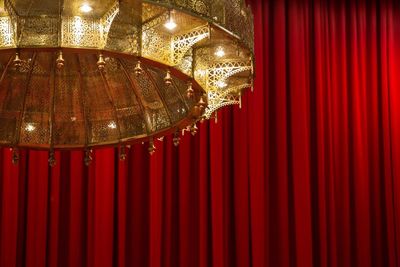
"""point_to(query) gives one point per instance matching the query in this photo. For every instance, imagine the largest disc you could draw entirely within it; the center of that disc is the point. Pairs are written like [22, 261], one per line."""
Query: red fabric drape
[305, 174]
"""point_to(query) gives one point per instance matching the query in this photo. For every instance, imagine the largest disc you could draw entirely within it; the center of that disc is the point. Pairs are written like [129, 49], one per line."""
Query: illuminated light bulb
[170, 25]
[30, 128]
[221, 84]
[85, 8]
[220, 52]
[112, 125]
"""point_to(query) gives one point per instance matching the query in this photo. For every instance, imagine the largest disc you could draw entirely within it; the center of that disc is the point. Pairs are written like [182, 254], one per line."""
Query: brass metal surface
[71, 79]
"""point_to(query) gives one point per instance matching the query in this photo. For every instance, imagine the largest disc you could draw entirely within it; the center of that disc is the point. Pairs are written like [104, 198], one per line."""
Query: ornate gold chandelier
[88, 73]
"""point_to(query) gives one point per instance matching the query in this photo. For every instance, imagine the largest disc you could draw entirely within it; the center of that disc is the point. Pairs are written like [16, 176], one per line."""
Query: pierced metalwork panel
[35, 128]
[8, 127]
[12, 93]
[131, 123]
[121, 90]
[81, 32]
[182, 87]
[69, 120]
[6, 33]
[171, 96]
[155, 46]
[220, 99]
[156, 114]
[150, 12]
[123, 37]
[35, 8]
[99, 107]
[35, 133]
[230, 14]
[39, 31]
[8, 113]
[182, 43]
[128, 110]
[186, 64]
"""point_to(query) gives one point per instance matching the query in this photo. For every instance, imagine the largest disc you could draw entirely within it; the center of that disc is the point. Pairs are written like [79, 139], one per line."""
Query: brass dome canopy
[80, 106]
[118, 71]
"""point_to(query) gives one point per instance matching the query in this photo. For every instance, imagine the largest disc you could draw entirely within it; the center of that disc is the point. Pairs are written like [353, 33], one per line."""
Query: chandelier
[80, 74]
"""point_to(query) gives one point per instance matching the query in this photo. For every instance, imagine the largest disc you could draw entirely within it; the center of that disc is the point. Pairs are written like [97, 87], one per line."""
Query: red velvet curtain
[305, 174]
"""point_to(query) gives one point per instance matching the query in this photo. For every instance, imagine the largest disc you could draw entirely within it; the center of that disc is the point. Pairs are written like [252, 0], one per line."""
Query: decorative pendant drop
[101, 63]
[176, 139]
[15, 156]
[190, 91]
[194, 129]
[152, 147]
[88, 157]
[168, 78]
[122, 153]
[138, 69]
[60, 61]
[52, 159]
[17, 61]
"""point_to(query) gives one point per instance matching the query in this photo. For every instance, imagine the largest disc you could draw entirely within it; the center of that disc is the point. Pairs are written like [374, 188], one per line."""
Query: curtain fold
[306, 173]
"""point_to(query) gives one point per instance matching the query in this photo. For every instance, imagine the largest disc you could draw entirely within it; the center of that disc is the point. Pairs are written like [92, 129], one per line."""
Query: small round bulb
[220, 52]
[85, 8]
[221, 84]
[170, 25]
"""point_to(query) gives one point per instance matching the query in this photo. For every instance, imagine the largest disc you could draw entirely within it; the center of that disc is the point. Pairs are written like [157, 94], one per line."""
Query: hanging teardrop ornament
[138, 68]
[194, 129]
[52, 159]
[168, 78]
[190, 91]
[17, 61]
[122, 153]
[152, 147]
[202, 104]
[15, 156]
[176, 139]
[101, 63]
[88, 157]
[60, 61]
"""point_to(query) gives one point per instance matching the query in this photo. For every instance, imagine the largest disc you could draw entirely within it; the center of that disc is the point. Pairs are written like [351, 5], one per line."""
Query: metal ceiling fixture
[78, 74]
